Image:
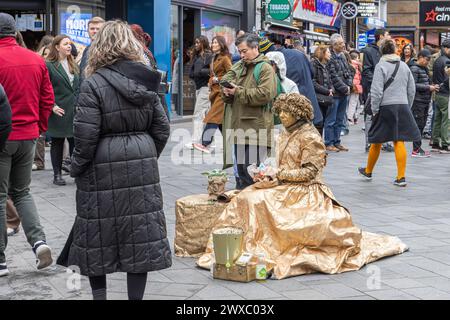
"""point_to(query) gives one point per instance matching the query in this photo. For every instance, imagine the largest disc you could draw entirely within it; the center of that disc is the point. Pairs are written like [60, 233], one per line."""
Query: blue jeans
[208, 133]
[334, 121]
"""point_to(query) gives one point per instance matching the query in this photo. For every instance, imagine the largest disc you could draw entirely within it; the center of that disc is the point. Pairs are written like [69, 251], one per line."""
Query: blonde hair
[115, 41]
[53, 56]
[96, 20]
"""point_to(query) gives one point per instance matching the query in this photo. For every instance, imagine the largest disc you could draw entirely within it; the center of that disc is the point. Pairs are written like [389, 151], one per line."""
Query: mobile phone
[226, 84]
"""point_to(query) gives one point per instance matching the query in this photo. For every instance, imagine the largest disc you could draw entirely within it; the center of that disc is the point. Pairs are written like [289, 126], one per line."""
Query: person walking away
[371, 57]
[322, 81]
[64, 75]
[25, 80]
[354, 102]
[440, 139]
[392, 95]
[341, 75]
[248, 113]
[120, 130]
[200, 71]
[422, 100]
[39, 157]
[221, 64]
[408, 55]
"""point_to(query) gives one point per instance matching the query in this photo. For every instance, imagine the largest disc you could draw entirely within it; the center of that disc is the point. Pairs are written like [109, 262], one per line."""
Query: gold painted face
[287, 119]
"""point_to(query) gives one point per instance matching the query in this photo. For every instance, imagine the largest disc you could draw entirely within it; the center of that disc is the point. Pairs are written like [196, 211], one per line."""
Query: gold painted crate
[195, 218]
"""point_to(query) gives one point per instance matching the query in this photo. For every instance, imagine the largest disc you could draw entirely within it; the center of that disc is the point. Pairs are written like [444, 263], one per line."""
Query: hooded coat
[120, 130]
[288, 85]
[299, 70]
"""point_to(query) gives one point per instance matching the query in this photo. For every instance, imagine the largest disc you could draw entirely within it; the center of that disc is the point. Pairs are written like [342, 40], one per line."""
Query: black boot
[58, 180]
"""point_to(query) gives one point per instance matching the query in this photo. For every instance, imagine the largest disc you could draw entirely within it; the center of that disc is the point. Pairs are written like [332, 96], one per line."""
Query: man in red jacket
[24, 76]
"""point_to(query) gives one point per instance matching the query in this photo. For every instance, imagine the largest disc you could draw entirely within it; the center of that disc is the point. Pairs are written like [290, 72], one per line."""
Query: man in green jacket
[248, 121]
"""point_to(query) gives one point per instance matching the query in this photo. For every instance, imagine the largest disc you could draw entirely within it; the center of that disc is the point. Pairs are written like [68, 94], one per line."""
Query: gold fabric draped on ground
[301, 227]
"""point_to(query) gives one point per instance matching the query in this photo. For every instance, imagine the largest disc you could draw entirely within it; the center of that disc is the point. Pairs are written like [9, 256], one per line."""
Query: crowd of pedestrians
[106, 121]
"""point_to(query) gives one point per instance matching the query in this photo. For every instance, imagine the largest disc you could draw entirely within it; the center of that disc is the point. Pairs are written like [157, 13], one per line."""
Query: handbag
[368, 103]
[324, 101]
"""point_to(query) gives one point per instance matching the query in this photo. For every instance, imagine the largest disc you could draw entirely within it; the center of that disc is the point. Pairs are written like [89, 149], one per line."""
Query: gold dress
[299, 225]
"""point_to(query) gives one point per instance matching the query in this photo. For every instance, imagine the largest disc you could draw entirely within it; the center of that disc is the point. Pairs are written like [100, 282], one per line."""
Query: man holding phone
[248, 113]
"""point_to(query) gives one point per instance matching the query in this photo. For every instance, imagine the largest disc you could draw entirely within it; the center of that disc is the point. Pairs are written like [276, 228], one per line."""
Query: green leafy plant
[215, 173]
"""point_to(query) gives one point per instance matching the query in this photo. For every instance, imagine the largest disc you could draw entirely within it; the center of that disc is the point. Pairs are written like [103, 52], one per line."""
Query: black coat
[423, 82]
[200, 70]
[299, 70]
[120, 130]
[5, 118]
[341, 74]
[371, 57]
[439, 75]
[321, 80]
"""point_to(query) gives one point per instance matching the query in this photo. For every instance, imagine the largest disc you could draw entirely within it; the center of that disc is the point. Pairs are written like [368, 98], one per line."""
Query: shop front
[434, 22]
[190, 19]
[278, 22]
[318, 19]
[36, 18]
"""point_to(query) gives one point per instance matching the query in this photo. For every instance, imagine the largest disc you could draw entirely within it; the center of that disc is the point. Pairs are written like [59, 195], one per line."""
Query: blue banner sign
[76, 27]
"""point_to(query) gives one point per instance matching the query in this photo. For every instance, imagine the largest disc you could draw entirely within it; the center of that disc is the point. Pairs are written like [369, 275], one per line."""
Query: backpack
[280, 90]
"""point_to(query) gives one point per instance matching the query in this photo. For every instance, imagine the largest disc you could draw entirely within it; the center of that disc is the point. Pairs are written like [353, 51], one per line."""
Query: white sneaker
[43, 255]
[12, 231]
[34, 167]
[189, 146]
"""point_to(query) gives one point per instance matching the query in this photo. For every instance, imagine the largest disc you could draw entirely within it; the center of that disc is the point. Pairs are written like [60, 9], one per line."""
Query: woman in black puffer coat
[322, 81]
[120, 130]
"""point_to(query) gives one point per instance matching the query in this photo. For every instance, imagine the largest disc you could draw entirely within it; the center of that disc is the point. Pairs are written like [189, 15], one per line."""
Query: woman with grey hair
[120, 130]
[392, 95]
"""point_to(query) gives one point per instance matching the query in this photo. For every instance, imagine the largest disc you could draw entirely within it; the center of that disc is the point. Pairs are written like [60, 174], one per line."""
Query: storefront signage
[375, 23]
[435, 13]
[325, 12]
[279, 9]
[362, 41]
[349, 10]
[76, 27]
[367, 9]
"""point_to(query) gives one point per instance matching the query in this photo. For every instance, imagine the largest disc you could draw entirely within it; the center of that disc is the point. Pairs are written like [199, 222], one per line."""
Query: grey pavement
[419, 214]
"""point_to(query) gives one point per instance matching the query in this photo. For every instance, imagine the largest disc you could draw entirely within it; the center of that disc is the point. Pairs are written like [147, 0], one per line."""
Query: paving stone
[428, 293]
[309, 294]
[336, 290]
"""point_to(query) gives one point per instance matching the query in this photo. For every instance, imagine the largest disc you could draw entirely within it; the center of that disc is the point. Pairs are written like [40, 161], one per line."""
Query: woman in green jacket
[64, 75]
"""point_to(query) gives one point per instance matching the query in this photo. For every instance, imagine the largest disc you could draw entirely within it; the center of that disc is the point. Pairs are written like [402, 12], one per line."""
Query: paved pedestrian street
[419, 214]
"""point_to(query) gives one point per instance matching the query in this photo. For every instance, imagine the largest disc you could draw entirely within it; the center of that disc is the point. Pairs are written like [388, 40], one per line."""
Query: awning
[280, 25]
[321, 26]
[317, 36]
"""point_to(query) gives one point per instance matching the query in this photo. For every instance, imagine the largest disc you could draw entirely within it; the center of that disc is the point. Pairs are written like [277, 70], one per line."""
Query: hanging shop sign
[349, 10]
[325, 12]
[434, 14]
[76, 27]
[279, 9]
[367, 9]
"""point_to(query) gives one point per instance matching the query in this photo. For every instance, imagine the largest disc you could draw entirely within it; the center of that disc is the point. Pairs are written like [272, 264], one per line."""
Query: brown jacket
[219, 67]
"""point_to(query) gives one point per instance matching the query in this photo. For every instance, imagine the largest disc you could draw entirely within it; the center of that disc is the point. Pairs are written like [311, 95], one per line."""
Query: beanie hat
[264, 45]
[7, 25]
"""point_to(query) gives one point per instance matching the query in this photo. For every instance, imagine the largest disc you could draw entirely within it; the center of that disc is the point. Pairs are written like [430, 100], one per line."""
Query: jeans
[208, 133]
[245, 156]
[16, 162]
[420, 113]
[202, 106]
[334, 121]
